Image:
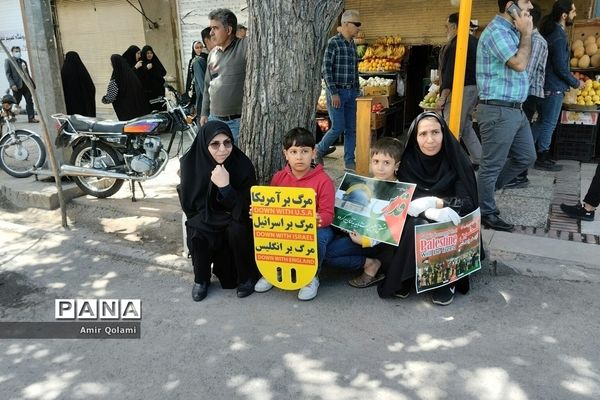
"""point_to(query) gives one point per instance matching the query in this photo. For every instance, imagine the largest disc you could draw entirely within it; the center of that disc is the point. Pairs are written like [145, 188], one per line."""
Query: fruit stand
[576, 137]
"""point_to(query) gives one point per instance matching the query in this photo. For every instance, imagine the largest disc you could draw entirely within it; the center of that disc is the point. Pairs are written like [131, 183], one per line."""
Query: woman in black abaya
[190, 90]
[132, 55]
[446, 189]
[78, 87]
[216, 178]
[125, 91]
[152, 75]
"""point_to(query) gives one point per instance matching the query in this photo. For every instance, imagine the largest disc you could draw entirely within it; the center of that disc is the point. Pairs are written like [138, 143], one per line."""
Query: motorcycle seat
[89, 124]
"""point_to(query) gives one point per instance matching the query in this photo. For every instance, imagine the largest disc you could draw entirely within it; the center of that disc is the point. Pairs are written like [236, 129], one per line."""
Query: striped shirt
[340, 64]
[111, 92]
[495, 80]
[536, 67]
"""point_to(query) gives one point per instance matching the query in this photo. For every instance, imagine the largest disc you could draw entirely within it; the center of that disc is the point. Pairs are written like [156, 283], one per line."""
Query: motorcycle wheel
[106, 158]
[21, 152]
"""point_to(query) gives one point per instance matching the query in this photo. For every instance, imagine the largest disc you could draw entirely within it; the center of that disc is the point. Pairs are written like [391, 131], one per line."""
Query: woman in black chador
[132, 55]
[216, 178]
[78, 87]
[446, 189]
[125, 91]
[152, 75]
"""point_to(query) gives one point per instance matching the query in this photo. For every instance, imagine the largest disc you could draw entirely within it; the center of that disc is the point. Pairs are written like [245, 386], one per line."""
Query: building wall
[193, 17]
[12, 34]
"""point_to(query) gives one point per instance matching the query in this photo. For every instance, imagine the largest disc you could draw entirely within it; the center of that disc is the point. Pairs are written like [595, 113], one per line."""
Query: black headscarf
[130, 102]
[436, 175]
[152, 79]
[197, 191]
[130, 55]
[78, 87]
[190, 73]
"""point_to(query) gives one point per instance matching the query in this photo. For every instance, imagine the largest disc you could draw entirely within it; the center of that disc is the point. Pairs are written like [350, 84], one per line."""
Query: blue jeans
[343, 253]
[507, 150]
[324, 238]
[233, 124]
[343, 120]
[548, 112]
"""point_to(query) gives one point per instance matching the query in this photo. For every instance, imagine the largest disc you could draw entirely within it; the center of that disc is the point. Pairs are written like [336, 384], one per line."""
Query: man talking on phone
[507, 144]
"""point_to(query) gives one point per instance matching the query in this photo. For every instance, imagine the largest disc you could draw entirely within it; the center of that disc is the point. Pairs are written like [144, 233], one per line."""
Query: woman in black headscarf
[125, 91]
[78, 87]
[216, 178]
[152, 74]
[189, 80]
[446, 189]
[132, 55]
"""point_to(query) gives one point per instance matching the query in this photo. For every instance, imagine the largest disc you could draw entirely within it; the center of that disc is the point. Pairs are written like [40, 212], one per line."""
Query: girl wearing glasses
[216, 178]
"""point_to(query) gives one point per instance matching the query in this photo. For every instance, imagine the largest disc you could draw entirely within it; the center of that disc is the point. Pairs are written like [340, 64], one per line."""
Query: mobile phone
[514, 8]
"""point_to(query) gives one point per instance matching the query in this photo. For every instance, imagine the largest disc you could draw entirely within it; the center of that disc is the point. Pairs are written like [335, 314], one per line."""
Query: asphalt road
[511, 337]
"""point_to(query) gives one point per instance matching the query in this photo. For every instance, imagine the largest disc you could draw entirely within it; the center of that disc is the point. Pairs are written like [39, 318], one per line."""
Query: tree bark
[283, 74]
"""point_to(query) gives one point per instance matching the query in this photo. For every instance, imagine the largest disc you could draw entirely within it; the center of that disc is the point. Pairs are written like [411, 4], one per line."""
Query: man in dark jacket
[17, 85]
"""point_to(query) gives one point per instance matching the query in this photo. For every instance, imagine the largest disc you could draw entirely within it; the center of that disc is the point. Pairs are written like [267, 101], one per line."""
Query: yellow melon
[589, 39]
[591, 49]
[595, 60]
[574, 62]
[577, 43]
[578, 52]
[584, 61]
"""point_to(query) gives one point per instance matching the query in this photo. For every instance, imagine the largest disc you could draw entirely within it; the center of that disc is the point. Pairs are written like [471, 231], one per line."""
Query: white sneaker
[262, 285]
[309, 291]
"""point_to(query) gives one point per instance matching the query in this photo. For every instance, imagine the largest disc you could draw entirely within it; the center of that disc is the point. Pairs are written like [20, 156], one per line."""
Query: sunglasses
[356, 24]
[215, 146]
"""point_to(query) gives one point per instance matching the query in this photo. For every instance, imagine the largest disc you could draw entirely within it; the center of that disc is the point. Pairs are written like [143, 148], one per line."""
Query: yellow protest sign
[285, 235]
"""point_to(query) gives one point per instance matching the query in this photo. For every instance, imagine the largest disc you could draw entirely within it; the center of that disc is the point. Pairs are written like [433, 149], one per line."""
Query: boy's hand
[319, 220]
[356, 237]
[220, 176]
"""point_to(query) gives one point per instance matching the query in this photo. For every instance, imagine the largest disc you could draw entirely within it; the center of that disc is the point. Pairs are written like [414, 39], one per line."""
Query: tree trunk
[283, 74]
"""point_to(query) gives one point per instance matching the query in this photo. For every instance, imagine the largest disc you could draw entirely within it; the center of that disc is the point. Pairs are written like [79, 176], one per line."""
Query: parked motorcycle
[106, 153]
[21, 150]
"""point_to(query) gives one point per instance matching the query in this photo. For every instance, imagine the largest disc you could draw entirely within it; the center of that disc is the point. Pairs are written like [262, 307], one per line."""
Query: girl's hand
[356, 237]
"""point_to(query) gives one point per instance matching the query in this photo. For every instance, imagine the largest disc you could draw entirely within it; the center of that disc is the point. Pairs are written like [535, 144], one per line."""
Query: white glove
[445, 214]
[417, 206]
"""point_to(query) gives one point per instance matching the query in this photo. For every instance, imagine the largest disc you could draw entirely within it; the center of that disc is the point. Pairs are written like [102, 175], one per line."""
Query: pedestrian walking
[125, 91]
[585, 210]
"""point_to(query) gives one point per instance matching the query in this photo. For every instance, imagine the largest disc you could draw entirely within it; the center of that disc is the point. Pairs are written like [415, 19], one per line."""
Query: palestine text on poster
[285, 235]
[446, 252]
[373, 208]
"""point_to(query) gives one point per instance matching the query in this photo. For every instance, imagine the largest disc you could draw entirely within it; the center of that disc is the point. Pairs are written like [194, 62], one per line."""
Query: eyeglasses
[356, 24]
[215, 146]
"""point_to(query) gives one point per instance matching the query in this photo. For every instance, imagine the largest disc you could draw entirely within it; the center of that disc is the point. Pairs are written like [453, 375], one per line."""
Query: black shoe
[245, 289]
[330, 150]
[547, 165]
[200, 290]
[517, 183]
[578, 212]
[443, 296]
[403, 292]
[33, 121]
[492, 221]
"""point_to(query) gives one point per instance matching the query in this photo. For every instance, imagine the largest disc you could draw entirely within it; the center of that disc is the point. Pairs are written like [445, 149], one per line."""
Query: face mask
[17, 54]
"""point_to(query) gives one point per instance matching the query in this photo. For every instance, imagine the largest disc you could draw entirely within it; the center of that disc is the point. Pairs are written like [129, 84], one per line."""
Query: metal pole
[460, 63]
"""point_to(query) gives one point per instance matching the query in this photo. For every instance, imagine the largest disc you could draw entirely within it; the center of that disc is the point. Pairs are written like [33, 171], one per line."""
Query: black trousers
[593, 194]
[24, 92]
[230, 251]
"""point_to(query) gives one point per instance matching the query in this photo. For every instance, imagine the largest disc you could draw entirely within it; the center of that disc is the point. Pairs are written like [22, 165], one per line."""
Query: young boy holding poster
[353, 251]
[299, 151]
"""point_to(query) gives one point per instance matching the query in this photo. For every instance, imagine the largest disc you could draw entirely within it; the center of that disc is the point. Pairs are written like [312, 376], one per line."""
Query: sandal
[365, 280]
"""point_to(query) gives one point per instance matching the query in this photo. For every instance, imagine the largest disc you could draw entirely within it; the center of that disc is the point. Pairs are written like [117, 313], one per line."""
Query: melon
[595, 60]
[578, 52]
[577, 43]
[591, 49]
[574, 62]
[584, 61]
[589, 39]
